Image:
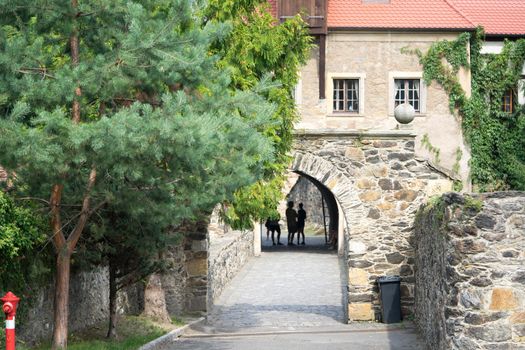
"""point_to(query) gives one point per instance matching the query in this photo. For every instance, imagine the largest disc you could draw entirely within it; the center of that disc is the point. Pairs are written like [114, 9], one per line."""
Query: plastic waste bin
[390, 294]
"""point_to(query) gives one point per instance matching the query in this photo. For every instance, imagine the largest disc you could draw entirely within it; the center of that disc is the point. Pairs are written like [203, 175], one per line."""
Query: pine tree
[119, 103]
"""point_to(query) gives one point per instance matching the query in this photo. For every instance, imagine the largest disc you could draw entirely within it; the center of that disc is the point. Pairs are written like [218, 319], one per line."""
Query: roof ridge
[451, 5]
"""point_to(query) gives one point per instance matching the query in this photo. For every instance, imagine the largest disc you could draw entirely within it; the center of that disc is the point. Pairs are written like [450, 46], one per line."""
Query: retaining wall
[228, 254]
[470, 271]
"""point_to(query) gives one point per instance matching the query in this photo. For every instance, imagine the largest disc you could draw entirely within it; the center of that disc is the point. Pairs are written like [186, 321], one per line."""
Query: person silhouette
[301, 218]
[291, 222]
[273, 226]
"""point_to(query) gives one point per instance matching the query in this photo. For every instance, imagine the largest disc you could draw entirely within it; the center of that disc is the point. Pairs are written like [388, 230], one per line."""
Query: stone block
[370, 196]
[518, 317]
[469, 246]
[519, 277]
[357, 247]
[519, 330]
[375, 170]
[332, 183]
[384, 144]
[365, 183]
[354, 153]
[395, 258]
[357, 277]
[503, 299]
[401, 156]
[494, 332]
[199, 246]
[374, 214]
[405, 195]
[385, 206]
[470, 300]
[485, 221]
[386, 184]
[403, 206]
[478, 319]
[197, 267]
[360, 312]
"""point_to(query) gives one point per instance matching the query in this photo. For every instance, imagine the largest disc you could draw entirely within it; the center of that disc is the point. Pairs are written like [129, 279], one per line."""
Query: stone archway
[378, 183]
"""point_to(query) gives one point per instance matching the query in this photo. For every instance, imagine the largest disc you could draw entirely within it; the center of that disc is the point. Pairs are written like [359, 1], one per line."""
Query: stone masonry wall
[185, 284]
[305, 192]
[228, 254]
[470, 271]
[89, 305]
[379, 184]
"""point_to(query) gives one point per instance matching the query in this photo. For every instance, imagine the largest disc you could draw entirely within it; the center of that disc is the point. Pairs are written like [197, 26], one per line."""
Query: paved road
[285, 288]
[394, 339]
[290, 298]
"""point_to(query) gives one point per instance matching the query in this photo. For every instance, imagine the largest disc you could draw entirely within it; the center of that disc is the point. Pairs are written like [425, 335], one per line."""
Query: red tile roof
[498, 17]
[397, 14]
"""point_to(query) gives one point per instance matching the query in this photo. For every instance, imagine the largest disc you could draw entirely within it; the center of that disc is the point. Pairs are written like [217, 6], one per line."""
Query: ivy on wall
[496, 137]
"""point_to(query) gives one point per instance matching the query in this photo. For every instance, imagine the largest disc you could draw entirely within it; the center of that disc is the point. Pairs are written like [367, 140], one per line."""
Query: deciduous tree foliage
[21, 233]
[496, 137]
[115, 103]
[258, 45]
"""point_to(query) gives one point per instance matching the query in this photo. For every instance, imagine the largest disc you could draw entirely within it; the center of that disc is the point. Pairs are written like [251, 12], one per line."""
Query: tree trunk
[155, 301]
[112, 329]
[61, 300]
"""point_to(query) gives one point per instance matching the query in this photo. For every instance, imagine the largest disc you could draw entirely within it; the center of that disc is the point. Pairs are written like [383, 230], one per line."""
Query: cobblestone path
[286, 288]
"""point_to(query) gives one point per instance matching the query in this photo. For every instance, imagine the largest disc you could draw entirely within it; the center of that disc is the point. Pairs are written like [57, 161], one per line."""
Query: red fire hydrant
[10, 304]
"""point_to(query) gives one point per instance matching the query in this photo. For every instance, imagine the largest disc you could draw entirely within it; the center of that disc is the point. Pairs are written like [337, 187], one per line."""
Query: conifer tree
[119, 103]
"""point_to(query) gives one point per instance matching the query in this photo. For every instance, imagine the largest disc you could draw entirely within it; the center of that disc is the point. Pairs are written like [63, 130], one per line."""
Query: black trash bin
[390, 294]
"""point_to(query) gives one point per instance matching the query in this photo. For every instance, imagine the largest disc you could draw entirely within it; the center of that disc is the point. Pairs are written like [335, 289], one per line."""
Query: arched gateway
[377, 183]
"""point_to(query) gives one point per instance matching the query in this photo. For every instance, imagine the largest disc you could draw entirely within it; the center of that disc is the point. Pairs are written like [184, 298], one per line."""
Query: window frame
[330, 84]
[347, 99]
[393, 76]
[406, 90]
[511, 101]
[521, 87]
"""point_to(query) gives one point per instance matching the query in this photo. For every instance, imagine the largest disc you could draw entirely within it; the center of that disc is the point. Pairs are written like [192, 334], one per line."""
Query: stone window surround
[521, 86]
[392, 91]
[330, 96]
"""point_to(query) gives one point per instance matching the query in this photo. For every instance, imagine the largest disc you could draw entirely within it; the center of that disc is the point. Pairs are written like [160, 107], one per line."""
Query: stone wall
[228, 254]
[379, 184]
[89, 305]
[470, 271]
[305, 192]
[185, 283]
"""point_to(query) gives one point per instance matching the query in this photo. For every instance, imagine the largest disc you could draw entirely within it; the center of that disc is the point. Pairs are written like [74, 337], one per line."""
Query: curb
[168, 338]
[314, 331]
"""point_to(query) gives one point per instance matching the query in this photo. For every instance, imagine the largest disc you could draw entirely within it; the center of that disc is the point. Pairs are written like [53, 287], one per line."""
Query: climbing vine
[425, 141]
[495, 136]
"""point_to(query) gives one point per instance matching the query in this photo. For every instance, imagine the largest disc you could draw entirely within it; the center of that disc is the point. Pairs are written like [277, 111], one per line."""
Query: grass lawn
[133, 332]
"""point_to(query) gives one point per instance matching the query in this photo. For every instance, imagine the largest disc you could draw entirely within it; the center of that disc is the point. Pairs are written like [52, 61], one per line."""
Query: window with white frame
[508, 101]
[346, 97]
[408, 91]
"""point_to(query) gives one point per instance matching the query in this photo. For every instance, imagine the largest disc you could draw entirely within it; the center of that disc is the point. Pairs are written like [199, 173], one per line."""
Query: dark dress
[301, 218]
[291, 220]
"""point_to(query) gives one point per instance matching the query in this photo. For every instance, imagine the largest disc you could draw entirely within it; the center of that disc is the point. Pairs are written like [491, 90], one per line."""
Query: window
[346, 95]
[507, 105]
[408, 91]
